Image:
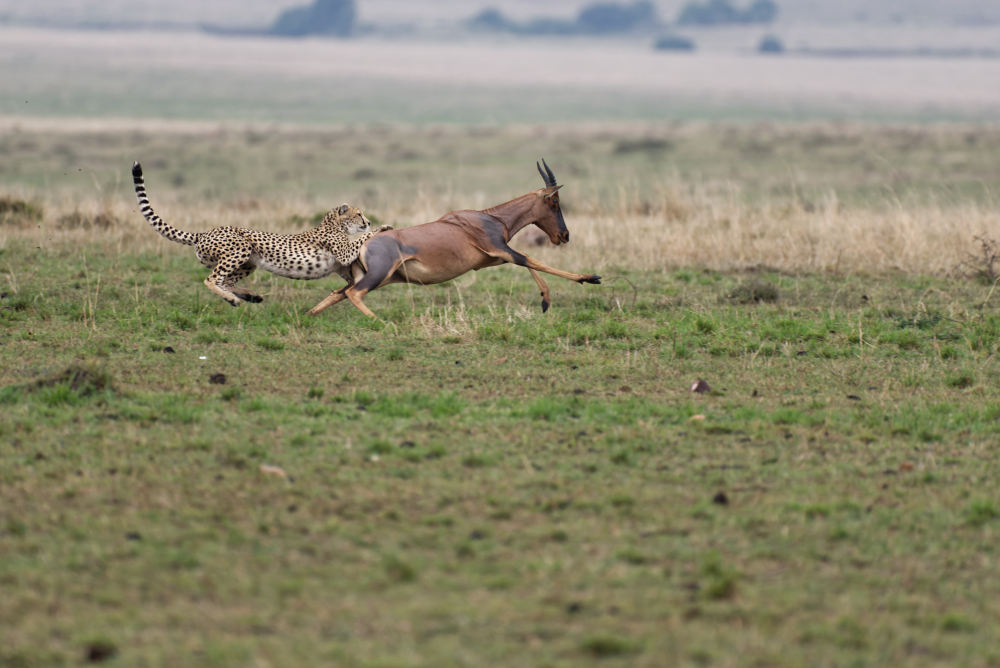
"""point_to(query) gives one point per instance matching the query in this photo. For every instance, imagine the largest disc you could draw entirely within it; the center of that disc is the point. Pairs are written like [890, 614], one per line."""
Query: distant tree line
[609, 18]
[721, 12]
[331, 18]
[602, 18]
[323, 17]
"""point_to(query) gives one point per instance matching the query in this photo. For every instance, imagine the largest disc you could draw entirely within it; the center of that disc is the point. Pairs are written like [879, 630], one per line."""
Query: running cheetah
[234, 252]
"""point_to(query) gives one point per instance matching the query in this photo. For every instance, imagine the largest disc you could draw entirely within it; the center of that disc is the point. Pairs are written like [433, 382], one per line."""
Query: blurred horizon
[422, 15]
[423, 62]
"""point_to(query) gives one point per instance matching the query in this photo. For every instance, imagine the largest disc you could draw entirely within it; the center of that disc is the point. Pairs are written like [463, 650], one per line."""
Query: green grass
[525, 489]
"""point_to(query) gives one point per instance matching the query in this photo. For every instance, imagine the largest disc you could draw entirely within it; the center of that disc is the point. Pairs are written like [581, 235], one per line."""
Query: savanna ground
[468, 481]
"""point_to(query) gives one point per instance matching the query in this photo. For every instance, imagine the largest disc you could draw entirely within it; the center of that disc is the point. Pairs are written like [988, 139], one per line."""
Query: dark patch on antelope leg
[545, 303]
[494, 232]
[383, 256]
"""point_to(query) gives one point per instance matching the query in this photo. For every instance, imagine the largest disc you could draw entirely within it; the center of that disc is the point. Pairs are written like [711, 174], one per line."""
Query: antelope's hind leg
[383, 256]
[351, 293]
[355, 296]
[333, 298]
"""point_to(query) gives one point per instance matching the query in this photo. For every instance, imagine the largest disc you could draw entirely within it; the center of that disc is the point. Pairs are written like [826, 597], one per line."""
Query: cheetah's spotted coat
[234, 252]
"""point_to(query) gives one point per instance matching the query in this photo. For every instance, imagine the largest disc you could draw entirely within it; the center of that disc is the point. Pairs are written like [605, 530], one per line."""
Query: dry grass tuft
[716, 232]
[18, 212]
[724, 234]
[984, 265]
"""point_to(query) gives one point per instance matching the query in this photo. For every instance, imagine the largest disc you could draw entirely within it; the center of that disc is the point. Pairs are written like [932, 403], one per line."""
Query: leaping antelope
[458, 242]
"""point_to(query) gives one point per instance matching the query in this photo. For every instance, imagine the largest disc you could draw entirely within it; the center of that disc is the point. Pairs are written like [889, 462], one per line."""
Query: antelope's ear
[552, 190]
[344, 208]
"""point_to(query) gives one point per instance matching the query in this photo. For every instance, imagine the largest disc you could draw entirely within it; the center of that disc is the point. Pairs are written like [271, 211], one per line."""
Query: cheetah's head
[347, 219]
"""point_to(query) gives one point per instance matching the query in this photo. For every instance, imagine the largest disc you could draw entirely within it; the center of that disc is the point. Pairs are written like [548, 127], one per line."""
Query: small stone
[720, 499]
[168, 349]
[700, 387]
[276, 471]
[217, 379]
[100, 651]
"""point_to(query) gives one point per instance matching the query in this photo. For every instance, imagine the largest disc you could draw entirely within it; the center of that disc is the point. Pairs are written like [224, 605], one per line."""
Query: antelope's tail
[168, 231]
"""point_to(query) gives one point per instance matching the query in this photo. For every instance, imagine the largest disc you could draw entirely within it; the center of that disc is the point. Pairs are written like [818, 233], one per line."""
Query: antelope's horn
[541, 173]
[551, 181]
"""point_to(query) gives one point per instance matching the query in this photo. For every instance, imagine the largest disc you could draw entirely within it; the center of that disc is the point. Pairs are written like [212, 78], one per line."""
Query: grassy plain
[470, 482]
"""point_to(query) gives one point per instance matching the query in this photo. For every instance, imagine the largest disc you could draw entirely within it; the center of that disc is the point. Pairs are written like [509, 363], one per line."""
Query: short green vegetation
[185, 483]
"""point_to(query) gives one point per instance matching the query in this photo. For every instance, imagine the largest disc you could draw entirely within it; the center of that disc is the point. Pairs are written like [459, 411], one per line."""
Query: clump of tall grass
[18, 212]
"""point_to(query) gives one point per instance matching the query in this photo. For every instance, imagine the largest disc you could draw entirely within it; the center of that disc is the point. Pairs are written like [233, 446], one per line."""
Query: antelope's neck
[515, 214]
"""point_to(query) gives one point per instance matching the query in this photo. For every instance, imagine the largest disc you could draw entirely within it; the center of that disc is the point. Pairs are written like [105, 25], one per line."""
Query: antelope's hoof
[593, 278]
[545, 306]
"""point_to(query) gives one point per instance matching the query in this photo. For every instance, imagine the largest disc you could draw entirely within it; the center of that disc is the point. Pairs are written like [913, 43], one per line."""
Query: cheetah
[234, 252]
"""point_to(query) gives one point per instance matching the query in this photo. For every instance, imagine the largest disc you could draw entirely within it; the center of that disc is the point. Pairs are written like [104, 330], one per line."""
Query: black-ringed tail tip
[136, 169]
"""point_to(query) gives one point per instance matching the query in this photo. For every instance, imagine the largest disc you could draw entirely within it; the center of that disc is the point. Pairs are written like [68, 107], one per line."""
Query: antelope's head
[549, 215]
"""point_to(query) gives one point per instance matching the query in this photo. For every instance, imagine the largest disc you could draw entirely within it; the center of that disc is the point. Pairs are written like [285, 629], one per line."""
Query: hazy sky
[436, 12]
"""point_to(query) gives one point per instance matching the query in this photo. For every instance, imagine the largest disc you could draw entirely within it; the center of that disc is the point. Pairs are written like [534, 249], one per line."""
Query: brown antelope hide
[458, 242]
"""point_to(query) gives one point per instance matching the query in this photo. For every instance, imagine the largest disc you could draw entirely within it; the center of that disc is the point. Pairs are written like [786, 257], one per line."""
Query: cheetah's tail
[168, 231]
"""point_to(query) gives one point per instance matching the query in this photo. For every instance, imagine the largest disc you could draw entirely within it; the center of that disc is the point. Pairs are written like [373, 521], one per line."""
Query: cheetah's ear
[343, 209]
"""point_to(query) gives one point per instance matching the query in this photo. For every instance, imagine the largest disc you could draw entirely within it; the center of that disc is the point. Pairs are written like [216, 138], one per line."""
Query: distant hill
[323, 17]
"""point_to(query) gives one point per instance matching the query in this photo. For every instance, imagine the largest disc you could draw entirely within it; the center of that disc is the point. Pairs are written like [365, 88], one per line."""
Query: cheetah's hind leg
[242, 293]
[246, 295]
[230, 268]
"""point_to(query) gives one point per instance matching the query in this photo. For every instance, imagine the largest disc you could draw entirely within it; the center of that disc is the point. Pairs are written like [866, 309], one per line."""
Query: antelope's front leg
[543, 287]
[533, 264]
[522, 260]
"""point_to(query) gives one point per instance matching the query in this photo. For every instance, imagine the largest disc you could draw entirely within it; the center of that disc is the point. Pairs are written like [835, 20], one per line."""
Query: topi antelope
[458, 242]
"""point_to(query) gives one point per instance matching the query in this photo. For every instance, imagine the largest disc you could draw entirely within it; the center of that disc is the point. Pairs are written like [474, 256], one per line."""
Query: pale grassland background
[821, 197]
[196, 77]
